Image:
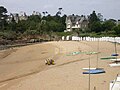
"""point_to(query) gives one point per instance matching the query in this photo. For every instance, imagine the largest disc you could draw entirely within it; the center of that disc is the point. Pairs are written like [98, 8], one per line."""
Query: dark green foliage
[94, 23]
[35, 18]
[3, 17]
[116, 30]
[35, 25]
[93, 18]
[96, 27]
[8, 35]
[108, 25]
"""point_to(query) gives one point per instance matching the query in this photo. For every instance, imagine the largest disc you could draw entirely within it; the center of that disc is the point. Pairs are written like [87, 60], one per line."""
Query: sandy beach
[23, 68]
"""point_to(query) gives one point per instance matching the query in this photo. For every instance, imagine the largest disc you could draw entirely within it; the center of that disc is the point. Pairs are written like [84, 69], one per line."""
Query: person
[49, 62]
[46, 61]
[52, 61]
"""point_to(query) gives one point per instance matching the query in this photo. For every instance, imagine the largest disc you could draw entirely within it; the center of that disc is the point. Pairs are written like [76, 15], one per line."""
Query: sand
[24, 68]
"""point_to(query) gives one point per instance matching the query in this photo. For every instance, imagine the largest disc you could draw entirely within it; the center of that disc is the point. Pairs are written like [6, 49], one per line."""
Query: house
[74, 22]
[23, 16]
[118, 22]
[13, 16]
[36, 13]
[17, 17]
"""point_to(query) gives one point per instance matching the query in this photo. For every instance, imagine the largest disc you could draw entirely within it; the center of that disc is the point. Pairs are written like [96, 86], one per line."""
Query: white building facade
[76, 22]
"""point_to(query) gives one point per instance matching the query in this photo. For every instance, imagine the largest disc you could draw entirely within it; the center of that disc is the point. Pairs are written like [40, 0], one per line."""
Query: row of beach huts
[75, 38]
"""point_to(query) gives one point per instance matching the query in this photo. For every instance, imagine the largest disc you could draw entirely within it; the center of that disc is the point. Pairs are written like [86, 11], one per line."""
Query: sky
[110, 9]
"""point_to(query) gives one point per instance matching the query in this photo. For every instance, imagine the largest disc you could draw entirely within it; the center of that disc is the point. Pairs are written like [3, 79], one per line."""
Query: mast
[115, 48]
[89, 73]
[97, 53]
[114, 82]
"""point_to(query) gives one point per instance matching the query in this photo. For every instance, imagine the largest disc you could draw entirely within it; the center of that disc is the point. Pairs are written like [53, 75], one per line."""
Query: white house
[74, 22]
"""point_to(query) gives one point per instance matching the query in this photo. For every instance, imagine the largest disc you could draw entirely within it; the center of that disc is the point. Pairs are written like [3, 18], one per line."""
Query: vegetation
[36, 26]
[103, 28]
[52, 27]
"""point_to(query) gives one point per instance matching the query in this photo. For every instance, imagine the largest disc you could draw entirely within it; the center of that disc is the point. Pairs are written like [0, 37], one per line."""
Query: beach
[23, 68]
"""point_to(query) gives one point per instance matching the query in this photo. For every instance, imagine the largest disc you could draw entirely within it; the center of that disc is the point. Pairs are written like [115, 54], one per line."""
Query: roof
[75, 18]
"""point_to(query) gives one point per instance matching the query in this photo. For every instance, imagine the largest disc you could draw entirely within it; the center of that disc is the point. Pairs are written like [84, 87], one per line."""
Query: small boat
[89, 68]
[94, 72]
[107, 58]
[115, 54]
[117, 59]
[92, 68]
[114, 65]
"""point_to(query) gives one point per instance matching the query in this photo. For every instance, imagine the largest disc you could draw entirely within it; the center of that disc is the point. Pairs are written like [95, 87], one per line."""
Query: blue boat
[115, 54]
[94, 71]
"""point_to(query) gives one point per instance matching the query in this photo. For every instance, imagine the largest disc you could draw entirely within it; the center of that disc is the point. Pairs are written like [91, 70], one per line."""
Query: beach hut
[63, 38]
[67, 38]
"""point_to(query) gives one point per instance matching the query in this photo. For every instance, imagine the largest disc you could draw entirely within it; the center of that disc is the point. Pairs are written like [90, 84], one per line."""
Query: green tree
[94, 22]
[96, 27]
[35, 18]
[93, 18]
[3, 17]
[108, 25]
[116, 29]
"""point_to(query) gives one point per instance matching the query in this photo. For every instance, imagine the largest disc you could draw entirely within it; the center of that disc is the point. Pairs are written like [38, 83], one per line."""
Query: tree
[63, 19]
[93, 18]
[94, 22]
[96, 27]
[35, 18]
[59, 12]
[3, 17]
[3, 11]
[116, 29]
[100, 16]
[108, 25]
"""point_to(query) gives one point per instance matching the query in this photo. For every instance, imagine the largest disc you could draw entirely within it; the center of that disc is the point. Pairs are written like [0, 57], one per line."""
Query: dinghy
[114, 65]
[117, 59]
[115, 54]
[92, 68]
[94, 72]
[107, 58]
[89, 68]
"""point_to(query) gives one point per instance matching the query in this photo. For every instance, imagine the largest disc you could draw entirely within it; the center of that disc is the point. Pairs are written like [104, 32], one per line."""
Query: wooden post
[94, 88]
[89, 72]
